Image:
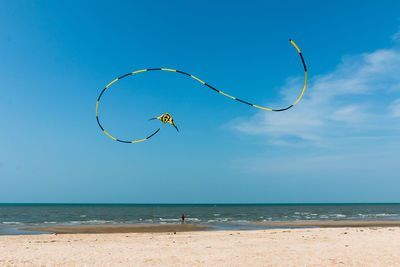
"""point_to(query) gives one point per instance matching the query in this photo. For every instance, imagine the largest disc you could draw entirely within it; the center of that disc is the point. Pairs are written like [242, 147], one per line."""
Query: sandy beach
[355, 246]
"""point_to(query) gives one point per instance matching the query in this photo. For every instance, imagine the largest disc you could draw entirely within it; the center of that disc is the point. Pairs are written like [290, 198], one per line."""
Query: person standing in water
[183, 218]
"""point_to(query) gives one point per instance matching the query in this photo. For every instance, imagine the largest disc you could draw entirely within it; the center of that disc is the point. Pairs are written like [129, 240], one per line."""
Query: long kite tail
[206, 84]
[101, 127]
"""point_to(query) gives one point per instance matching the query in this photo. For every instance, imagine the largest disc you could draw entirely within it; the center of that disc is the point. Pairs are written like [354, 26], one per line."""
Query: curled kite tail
[166, 118]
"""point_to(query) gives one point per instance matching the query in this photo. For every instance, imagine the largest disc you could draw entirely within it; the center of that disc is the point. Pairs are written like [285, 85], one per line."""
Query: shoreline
[333, 224]
[108, 229]
[163, 228]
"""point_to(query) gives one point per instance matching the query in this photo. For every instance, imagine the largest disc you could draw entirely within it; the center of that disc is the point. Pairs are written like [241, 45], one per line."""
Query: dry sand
[368, 246]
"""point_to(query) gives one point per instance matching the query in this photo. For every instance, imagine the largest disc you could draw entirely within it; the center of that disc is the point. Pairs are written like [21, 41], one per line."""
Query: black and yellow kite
[167, 118]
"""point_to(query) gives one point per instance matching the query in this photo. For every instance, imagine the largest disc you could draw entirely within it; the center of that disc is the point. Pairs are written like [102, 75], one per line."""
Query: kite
[167, 118]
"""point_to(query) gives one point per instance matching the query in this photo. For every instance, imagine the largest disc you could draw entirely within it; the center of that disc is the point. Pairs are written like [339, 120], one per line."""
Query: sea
[13, 217]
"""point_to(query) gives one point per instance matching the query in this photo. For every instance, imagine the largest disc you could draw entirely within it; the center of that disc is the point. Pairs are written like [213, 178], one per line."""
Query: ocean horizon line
[198, 204]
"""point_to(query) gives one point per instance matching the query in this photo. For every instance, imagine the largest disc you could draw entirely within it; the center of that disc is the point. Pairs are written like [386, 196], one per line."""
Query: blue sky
[339, 144]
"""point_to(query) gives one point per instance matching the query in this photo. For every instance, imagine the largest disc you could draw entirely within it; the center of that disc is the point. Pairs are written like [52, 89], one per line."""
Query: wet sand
[334, 223]
[106, 229]
[367, 246]
[159, 228]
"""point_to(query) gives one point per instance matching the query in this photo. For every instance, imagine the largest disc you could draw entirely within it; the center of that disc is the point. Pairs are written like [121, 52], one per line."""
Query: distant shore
[332, 223]
[105, 229]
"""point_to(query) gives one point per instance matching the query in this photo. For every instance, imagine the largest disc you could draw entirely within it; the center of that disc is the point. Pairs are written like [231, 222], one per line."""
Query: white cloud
[350, 101]
[396, 36]
[395, 108]
[350, 114]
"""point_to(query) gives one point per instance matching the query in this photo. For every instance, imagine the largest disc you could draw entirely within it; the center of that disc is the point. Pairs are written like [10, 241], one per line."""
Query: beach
[340, 246]
[212, 235]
